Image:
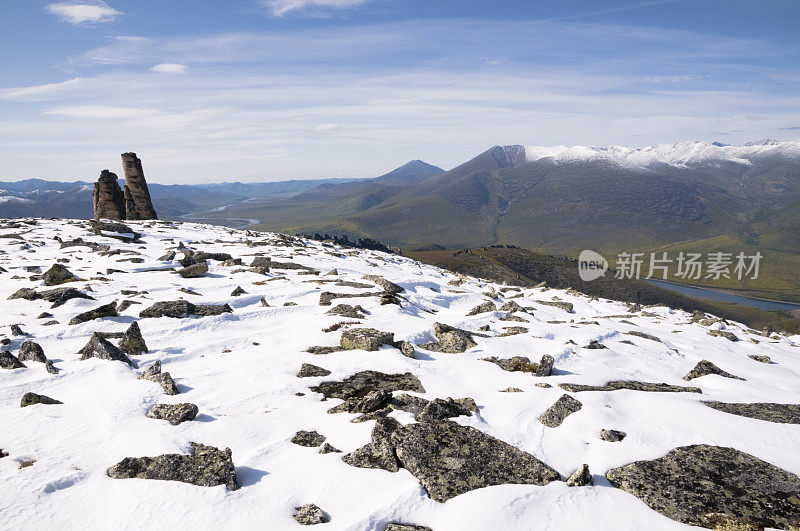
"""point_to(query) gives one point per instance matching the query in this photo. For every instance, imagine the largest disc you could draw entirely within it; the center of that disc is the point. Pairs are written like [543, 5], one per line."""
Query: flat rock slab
[29, 399]
[450, 340]
[173, 413]
[181, 308]
[771, 412]
[630, 385]
[564, 407]
[205, 466]
[361, 383]
[699, 484]
[705, 367]
[450, 459]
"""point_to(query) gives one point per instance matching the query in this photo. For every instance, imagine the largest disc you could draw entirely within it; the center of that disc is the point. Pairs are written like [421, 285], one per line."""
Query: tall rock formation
[137, 197]
[107, 198]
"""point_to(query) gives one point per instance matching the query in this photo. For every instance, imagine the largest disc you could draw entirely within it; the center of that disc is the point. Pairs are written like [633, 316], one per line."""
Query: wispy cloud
[169, 68]
[39, 92]
[280, 7]
[84, 12]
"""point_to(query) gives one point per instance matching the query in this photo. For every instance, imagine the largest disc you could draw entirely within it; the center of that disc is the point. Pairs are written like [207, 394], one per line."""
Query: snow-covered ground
[240, 370]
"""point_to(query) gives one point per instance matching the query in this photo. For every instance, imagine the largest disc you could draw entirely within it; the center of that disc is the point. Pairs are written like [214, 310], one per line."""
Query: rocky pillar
[137, 197]
[107, 199]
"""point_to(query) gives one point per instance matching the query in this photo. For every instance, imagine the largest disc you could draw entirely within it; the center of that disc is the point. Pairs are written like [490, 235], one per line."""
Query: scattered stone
[30, 351]
[760, 358]
[487, 306]
[205, 466]
[194, 270]
[612, 435]
[389, 288]
[8, 361]
[44, 315]
[361, 383]
[264, 302]
[705, 367]
[310, 514]
[564, 407]
[511, 307]
[164, 379]
[58, 274]
[439, 409]
[106, 310]
[545, 366]
[367, 339]
[771, 412]
[450, 340]
[345, 310]
[543, 385]
[17, 331]
[327, 448]
[100, 347]
[695, 484]
[407, 348]
[29, 399]
[308, 438]
[450, 459]
[57, 296]
[308, 370]
[723, 333]
[380, 452]
[514, 364]
[173, 413]
[643, 335]
[181, 308]
[48, 365]
[617, 385]
[581, 477]
[132, 341]
[511, 390]
[596, 345]
[396, 526]
[566, 306]
[323, 350]
[238, 291]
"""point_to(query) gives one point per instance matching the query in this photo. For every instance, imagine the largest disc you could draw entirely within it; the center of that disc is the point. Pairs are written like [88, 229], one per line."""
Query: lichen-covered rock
[17, 330]
[345, 310]
[511, 307]
[450, 459]
[440, 409]
[182, 308]
[29, 399]
[545, 366]
[705, 367]
[106, 310]
[30, 351]
[365, 339]
[566, 306]
[771, 412]
[450, 340]
[395, 526]
[238, 291]
[327, 448]
[760, 358]
[310, 514]
[564, 407]
[389, 288]
[407, 348]
[723, 333]
[205, 466]
[514, 364]
[484, 307]
[694, 484]
[100, 347]
[581, 477]
[164, 379]
[363, 382]
[308, 370]
[380, 452]
[308, 438]
[58, 274]
[194, 270]
[643, 335]
[9, 361]
[174, 413]
[612, 435]
[632, 385]
[132, 342]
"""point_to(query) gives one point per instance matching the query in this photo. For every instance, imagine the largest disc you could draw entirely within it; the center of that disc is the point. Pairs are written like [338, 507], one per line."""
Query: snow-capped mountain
[199, 377]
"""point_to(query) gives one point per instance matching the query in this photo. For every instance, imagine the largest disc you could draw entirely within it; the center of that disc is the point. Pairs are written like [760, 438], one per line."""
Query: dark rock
[484, 307]
[8, 361]
[29, 399]
[596, 345]
[17, 331]
[181, 308]
[450, 340]
[326, 297]
[58, 274]
[389, 288]
[124, 305]
[107, 198]
[643, 335]
[511, 307]
[173, 413]
[450, 459]
[380, 452]
[194, 271]
[345, 310]
[205, 466]
[308, 370]
[238, 291]
[361, 383]
[59, 296]
[44, 315]
[695, 484]
[310, 514]
[581, 477]
[564, 407]
[323, 350]
[132, 341]
[566, 306]
[100, 347]
[771, 412]
[616, 385]
[308, 438]
[545, 366]
[514, 364]
[372, 401]
[327, 448]
[439, 409]
[705, 367]
[760, 358]
[365, 339]
[612, 435]
[48, 365]
[30, 351]
[164, 379]
[106, 310]
[730, 336]
[407, 348]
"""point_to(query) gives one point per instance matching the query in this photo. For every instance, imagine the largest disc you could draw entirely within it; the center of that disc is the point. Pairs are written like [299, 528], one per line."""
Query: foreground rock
[205, 466]
[173, 413]
[30, 351]
[132, 342]
[194, 271]
[631, 385]
[380, 452]
[361, 383]
[701, 485]
[705, 367]
[100, 347]
[367, 339]
[564, 407]
[782, 413]
[310, 514]
[29, 399]
[9, 361]
[181, 308]
[58, 274]
[450, 340]
[450, 459]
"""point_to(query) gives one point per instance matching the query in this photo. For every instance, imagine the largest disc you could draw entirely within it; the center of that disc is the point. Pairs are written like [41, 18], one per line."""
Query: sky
[267, 90]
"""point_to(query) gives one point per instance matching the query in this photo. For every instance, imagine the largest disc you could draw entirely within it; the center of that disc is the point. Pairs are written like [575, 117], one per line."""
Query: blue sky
[259, 90]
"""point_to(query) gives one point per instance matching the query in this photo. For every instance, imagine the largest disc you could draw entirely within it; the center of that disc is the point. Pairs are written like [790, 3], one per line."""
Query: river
[703, 293]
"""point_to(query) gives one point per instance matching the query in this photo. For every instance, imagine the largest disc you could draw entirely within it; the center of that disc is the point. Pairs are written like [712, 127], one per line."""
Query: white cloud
[281, 7]
[325, 128]
[83, 12]
[100, 111]
[169, 68]
[39, 92]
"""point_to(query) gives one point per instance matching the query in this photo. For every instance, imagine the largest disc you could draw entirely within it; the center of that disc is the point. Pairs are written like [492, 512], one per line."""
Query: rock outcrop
[107, 199]
[781, 413]
[137, 197]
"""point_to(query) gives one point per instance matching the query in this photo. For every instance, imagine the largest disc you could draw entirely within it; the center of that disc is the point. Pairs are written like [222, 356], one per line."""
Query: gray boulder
[345, 310]
[194, 271]
[395, 526]
[173, 413]
[132, 342]
[696, 485]
[705, 367]
[450, 339]
[8, 361]
[380, 452]
[29, 399]
[30, 351]
[308, 438]
[310, 514]
[106, 310]
[361, 383]
[545, 367]
[632, 385]
[581, 477]
[365, 339]
[308, 370]
[770, 412]
[100, 347]
[164, 379]
[566, 306]
[612, 435]
[484, 307]
[389, 288]
[205, 466]
[564, 407]
[181, 308]
[58, 274]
